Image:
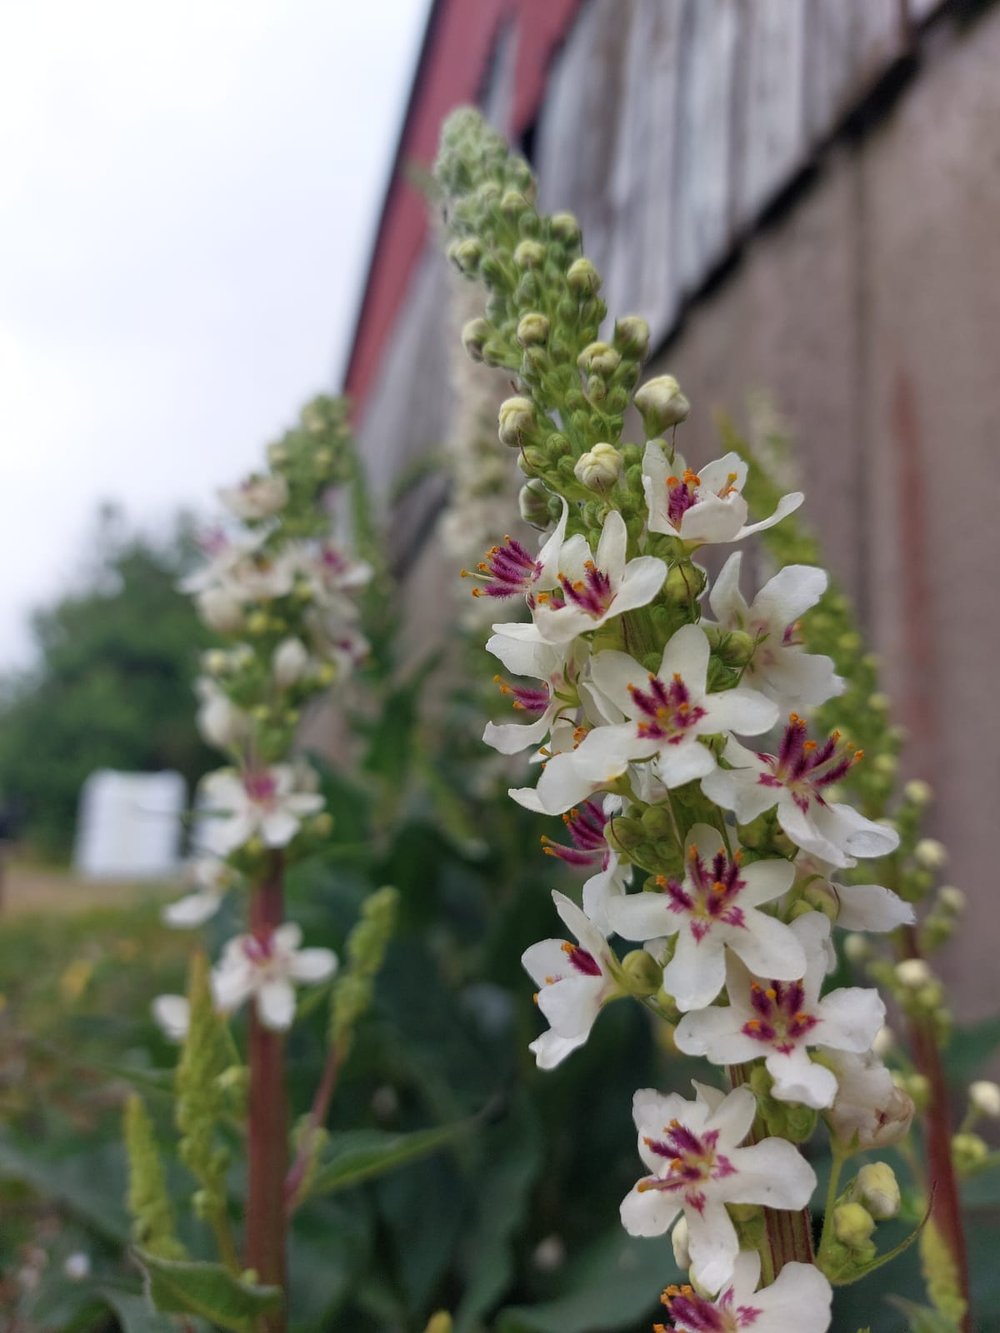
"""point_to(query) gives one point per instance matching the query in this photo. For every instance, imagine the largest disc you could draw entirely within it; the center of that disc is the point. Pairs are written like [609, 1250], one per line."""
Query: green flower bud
[532, 328]
[853, 1225]
[533, 503]
[913, 973]
[599, 468]
[623, 834]
[529, 254]
[583, 279]
[642, 973]
[599, 359]
[684, 583]
[951, 899]
[918, 792]
[632, 337]
[466, 254]
[439, 1323]
[821, 898]
[877, 1189]
[513, 202]
[516, 422]
[856, 948]
[661, 404]
[565, 228]
[474, 336]
[931, 854]
[968, 1152]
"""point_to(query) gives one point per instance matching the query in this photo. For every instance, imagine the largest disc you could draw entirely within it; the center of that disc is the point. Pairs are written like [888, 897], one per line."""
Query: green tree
[111, 687]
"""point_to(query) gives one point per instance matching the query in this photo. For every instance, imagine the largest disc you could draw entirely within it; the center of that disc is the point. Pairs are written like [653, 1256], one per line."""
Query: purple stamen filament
[667, 709]
[709, 892]
[781, 1021]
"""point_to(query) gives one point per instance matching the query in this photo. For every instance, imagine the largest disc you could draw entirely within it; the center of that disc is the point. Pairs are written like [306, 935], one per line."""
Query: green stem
[833, 1185]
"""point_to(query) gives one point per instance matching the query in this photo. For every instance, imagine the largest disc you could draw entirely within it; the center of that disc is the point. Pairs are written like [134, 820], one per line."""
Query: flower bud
[549, 1254]
[256, 497]
[953, 900]
[877, 1189]
[931, 854]
[679, 1241]
[583, 279]
[513, 202]
[856, 948]
[516, 422]
[599, 468]
[661, 404]
[565, 228]
[885, 1040]
[220, 610]
[533, 503]
[913, 973]
[532, 328]
[599, 359]
[632, 337]
[215, 662]
[465, 255]
[853, 1225]
[529, 254]
[915, 1087]
[643, 975]
[968, 1152]
[439, 1323]
[474, 336]
[289, 663]
[984, 1097]
[918, 792]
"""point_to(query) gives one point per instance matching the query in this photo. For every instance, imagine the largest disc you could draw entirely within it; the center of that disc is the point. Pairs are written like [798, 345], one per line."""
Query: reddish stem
[317, 1116]
[267, 1138]
[946, 1208]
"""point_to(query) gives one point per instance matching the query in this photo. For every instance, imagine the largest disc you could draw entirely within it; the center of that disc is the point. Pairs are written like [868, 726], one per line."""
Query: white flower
[869, 1111]
[262, 802]
[779, 667]
[575, 981]
[984, 1097]
[591, 587]
[256, 497]
[780, 1020]
[794, 780]
[714, 906]
[76, 1266]
[221, 610]
[668, 714]
[798, 1301]
[265, 966]
[214, 878]
[327, 575]
[691, 1150]
[219, 720]
[706, 506]
[172, 1015]
[557, 667]
[509, 567]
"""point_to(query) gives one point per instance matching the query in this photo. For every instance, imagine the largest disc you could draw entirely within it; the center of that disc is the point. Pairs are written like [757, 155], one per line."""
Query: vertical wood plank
[770, 125]
[642, 271]
[705, 150]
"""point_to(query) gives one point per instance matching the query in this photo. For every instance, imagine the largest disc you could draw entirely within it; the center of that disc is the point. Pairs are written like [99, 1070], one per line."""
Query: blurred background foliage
[111, 683]
[456, 1175]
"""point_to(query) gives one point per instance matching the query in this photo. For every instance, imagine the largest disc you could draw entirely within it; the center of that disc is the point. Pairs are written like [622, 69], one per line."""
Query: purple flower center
[586, 824]
[781, 1020]
[666, 710]
[593, 593]
[507, 569]
[682, 493]
[694, 1160]
[804, 767]
[581, 960]
[260, 786]
[690, 1313]
[527, 698]
[709, 892]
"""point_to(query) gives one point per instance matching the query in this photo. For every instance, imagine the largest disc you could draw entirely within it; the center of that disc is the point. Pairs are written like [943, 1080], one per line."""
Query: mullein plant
[283, 595]
[681, 729]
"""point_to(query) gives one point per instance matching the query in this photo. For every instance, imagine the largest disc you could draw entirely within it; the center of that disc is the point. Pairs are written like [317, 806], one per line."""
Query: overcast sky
[189, 192]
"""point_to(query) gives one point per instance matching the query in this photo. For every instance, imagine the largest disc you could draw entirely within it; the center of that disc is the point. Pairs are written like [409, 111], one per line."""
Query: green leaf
[135, 1314]
[91, 1185]
[354, 1156]
[612, 1286]
[179, 1286]
[969, 1048]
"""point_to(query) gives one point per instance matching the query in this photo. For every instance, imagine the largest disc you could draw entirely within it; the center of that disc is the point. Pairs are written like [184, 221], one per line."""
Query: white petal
[733, 1116]
[786, 505]
[790, 594]
[572, 1004]
[797, 1302]
[716, 1034]
[642, 580]
[766, 944]
[613, 673]
[311, 966]
[172, 1013]
[871, 907]
[550, 1049]
[642, 916]
[725, 598]
[714, 520]
[648, 1213]
[808, 830]
[544, 960]
[276, 1004]
[713, 1245]
[684, 762]
[745, 711]
[526, 657]
[799, 1079]
[278, 828]
[194, 909]
[610, 553]
[765, 881]
[850, 1018]
[773, 1173]
[697, 971]
[686, 655]
[863, 837]
[512, 737]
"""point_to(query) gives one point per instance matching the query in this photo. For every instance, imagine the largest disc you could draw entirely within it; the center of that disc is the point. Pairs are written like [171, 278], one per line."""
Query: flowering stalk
[679, 728]
[285, 596]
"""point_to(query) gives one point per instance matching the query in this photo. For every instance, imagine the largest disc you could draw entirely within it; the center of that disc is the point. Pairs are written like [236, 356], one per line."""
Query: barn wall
[803, 197]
